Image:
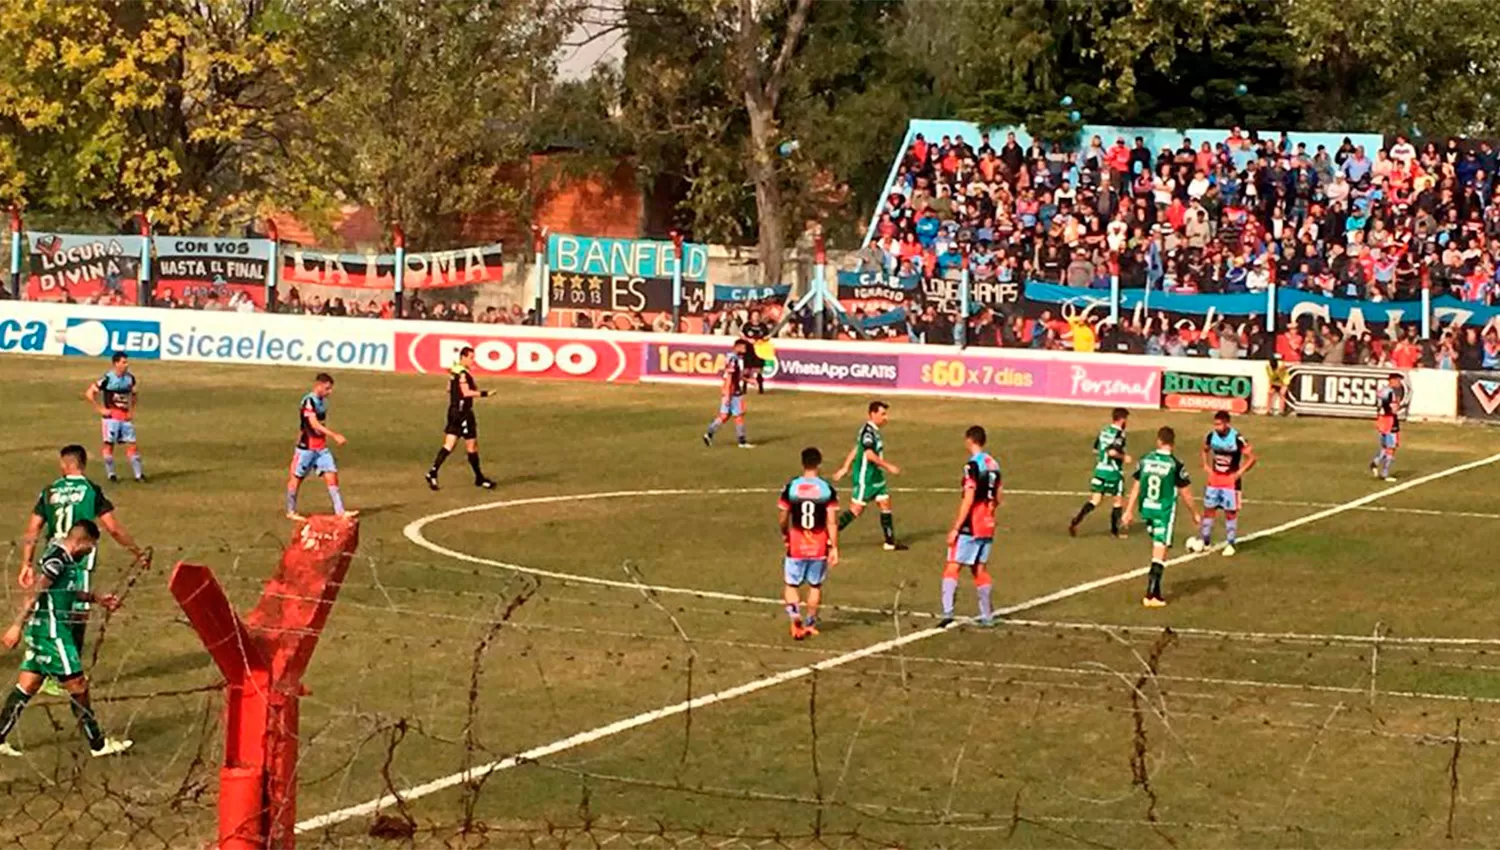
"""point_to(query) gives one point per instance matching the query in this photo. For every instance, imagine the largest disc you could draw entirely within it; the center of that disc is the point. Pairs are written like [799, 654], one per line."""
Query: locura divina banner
[83, 268]
[212, 270]
[1479, 396]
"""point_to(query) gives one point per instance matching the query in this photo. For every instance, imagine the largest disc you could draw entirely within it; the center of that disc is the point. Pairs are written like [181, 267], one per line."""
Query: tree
[171, 107]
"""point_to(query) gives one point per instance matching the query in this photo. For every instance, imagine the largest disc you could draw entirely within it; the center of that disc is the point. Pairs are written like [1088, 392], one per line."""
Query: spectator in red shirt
[1289, 346]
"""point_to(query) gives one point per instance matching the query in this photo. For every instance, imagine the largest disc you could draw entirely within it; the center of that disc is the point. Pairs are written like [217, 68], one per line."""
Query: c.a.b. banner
[83, 268]
[725, 293]
[193, 269]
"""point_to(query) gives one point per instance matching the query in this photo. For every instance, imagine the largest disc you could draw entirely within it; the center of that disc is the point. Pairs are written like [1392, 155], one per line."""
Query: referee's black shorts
[461, 423]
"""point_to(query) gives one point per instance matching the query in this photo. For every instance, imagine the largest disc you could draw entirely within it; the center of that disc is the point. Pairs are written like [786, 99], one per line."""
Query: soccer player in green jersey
[868, 463]
[1109, 473]
[1160, 481]
[50, 651]
[62, 503]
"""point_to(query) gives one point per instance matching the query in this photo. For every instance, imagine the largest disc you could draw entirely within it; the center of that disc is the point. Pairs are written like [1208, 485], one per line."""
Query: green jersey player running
[1110, 460]
[42, 621]
[1160, 480]
[869, 466]
[62, 503]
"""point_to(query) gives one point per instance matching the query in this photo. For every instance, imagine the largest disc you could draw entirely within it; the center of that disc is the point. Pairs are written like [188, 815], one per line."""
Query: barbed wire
[1178, 696]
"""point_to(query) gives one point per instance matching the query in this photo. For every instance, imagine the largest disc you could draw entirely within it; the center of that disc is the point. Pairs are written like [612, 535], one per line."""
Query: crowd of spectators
[1213, 216]
[1217, 216]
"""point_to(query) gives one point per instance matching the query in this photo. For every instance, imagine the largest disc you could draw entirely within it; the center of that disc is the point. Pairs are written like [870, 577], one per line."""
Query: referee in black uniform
[461, 423]
[756, 330]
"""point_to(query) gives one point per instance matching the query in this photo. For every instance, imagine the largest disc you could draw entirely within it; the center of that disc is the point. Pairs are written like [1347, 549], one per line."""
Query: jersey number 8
[809, 515]
[1153, 489]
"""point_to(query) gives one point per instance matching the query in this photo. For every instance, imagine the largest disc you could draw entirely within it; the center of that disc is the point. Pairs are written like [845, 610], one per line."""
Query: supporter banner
[1346, 391]
[801, 367]
[620, 294]
[225, 270]
[729, 294]
[884, 290]
[431, 270]
[82, 268]
[627, 258]
[1479, 396]
[516, 352]
[1202, 311]
[1190, 391]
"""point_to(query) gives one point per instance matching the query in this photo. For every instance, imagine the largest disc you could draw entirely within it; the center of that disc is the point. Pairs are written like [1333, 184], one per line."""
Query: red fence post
[263, 659]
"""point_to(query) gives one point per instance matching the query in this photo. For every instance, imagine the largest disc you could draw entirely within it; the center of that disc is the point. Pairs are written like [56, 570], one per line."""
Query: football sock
[1088, 508]
[109, 465]
[950, 590]
[15, 703]
[337, 498]
[1153, 580]
[986, 605]
[474, 465]
[291, 501]
[79, 628]
[1385, 465]
[1114, 520]
[1206, 528]
[713, 427]
[85, 714]
[136, 466]
[844, 519]
[437, 462]
[791, 611]
[1378, 458]
[1231, 530]
[739, 431]
[888, 527]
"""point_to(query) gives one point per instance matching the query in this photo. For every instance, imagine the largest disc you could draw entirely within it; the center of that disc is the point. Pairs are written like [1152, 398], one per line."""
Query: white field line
[413, 533]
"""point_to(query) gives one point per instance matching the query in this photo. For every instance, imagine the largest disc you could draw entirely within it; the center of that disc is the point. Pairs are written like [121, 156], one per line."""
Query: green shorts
[1159, 524]
[1107, 486]
[57, 657]
[869, 485]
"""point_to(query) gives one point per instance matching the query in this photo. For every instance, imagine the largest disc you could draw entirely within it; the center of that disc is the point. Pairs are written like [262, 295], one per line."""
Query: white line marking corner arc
[413, 532]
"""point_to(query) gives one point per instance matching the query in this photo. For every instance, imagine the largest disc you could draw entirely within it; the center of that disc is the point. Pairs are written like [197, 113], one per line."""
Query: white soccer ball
[1195, 544]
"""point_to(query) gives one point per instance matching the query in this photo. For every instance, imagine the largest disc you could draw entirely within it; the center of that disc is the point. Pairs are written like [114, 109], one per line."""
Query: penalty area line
[413, 532]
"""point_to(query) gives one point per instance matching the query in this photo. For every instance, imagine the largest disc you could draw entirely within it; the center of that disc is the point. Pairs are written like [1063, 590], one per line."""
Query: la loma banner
[83, 268]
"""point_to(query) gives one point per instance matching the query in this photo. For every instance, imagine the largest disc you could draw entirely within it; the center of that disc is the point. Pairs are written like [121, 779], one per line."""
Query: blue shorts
[312, 460]
[734, 407]
[798, 571]
[970, 550]
[1391, 440]
[1227, 498]
[117, 430]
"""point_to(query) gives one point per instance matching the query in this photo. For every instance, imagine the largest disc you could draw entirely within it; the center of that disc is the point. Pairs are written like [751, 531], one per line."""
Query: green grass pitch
[1303, 697]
